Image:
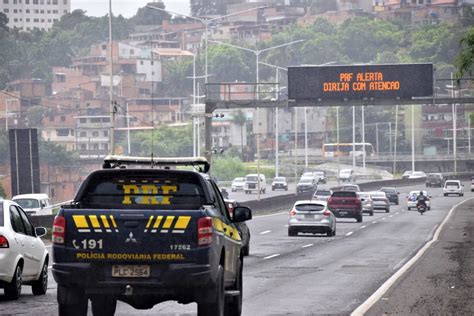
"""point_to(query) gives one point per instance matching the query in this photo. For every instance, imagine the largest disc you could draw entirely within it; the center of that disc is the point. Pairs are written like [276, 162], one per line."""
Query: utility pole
[111, 82]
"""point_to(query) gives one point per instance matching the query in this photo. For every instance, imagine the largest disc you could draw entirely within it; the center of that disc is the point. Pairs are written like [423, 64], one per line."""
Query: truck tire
[71, 302]
[234, 306]
[13, 289]
[215, 308]
[246, 250]
[103, 305]
[40, 286]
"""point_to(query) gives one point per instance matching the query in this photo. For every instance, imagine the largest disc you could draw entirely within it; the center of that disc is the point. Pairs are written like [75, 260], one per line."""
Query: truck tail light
[4, 242]
[59, 229]
[205, 231]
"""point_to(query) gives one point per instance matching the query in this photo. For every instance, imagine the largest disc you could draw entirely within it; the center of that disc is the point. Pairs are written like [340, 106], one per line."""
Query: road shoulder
[442, 282]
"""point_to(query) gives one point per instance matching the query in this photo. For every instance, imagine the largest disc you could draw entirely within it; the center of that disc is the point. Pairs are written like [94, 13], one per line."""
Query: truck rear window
[150, 189]
[344, 194]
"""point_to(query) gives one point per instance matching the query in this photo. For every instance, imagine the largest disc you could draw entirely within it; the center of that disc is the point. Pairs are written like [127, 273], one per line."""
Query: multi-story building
[92, 136]
[34, 14]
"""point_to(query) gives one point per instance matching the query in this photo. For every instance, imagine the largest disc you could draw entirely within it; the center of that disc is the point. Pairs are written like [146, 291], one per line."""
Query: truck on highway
[146, 235]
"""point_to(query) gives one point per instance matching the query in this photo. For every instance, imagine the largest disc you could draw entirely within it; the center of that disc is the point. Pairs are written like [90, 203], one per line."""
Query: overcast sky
[127, 8]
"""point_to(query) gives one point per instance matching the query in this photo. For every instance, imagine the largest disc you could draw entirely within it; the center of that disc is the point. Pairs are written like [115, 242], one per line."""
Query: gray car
[306, 185]
[311, 217]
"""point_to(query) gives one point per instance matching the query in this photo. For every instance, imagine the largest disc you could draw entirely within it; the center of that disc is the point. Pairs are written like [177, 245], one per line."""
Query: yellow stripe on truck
[183, 222]
[80, 221]
[158, 221]
[94, 221]
[168, 222]
[105, 221]
[149, 221]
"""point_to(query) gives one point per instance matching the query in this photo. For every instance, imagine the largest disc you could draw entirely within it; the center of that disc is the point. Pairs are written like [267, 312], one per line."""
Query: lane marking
[272, 256]
[363, 227]
[374, 222]
[390, 216]
[397, 213]
[265, 232]
[349, 233]
[383, 218]
[382, 290]
[286, 225]
[308, 245]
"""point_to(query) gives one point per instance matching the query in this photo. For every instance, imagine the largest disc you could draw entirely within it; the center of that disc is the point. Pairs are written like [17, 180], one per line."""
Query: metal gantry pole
[296, 148]
[469, 134]
[353, 137]
[337, 150]
[305, 138]
[363, 137]
[395, 141]
[377, 137]
[413, 138]
[390, 137]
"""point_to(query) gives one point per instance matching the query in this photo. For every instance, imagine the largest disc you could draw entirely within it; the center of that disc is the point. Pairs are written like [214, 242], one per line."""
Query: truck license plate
[131, 271]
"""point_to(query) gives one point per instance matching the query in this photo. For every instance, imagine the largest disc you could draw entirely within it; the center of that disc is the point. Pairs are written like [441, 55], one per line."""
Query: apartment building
[34, 14]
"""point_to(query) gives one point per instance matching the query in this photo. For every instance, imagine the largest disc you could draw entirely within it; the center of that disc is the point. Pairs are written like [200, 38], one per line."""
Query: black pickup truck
[145, 236]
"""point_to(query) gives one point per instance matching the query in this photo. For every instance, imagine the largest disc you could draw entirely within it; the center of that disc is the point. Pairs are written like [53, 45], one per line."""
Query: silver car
[367, 202]
[380, 200]
[311, 217]
[322, 194]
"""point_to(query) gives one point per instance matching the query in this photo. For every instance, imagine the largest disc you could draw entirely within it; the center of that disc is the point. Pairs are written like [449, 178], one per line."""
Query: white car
[346, 175]
[34, 203]
[417, 175]
[238, 184]
[413, 195]
[23, 255]
[453, 187]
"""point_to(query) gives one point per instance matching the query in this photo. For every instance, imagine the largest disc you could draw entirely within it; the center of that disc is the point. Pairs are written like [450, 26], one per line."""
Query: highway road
[310, 274]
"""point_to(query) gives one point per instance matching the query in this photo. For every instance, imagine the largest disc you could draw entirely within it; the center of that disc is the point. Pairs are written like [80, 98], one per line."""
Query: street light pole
[111, 82]
[454, 126]
[296, 148]
[277, 94]
[337, 141]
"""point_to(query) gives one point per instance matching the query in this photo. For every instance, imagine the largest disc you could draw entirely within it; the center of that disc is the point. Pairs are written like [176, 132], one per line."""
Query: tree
[228, 64]
[211, 7]
[175, 72]
[240, 119]
[3, 22]
[465, 59]
[147, 16]
[4, 147]
[164, 141]
[55, 154]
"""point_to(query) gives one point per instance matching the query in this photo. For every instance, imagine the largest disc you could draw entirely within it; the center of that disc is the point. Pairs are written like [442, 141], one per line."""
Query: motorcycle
[421, 207]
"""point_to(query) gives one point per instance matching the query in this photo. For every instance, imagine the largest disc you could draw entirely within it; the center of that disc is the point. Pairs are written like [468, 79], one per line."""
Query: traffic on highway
[361, 254]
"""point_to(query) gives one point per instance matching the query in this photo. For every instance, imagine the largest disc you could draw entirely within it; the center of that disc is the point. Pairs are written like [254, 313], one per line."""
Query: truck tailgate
[130, 235]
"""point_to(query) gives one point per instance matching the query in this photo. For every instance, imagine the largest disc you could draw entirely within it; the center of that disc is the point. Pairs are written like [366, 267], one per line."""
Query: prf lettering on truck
[148, 194]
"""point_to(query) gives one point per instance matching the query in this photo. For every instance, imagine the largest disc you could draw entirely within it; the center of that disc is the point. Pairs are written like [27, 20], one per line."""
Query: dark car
[242, 227]
[306, 185]
[392, 194]
[434, 180]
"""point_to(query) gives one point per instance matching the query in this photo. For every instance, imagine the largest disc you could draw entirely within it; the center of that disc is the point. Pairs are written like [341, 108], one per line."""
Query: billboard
[24, 161]
[359, 82]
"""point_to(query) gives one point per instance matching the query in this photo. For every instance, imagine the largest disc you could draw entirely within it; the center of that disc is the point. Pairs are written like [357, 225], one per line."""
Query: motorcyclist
[421, 199]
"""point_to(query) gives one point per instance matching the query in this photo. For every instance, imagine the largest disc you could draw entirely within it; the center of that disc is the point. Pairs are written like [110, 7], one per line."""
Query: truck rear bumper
[97, 279]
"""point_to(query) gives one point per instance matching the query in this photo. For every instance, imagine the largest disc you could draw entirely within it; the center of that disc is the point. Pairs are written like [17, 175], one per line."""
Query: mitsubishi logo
[131, 238]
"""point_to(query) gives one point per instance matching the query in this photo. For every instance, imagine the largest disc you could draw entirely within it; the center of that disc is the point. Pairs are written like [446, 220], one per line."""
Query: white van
[253, 182]
[34, 203]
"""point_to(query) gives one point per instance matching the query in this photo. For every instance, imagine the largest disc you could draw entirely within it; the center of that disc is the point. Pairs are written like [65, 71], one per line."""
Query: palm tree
[240, 119]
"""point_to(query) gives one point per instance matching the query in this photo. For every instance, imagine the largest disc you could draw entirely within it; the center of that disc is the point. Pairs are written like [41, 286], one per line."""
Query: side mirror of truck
[241, 214]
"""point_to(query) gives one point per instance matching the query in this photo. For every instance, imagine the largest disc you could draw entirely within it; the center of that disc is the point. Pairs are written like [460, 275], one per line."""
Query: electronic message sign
[359, 82]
